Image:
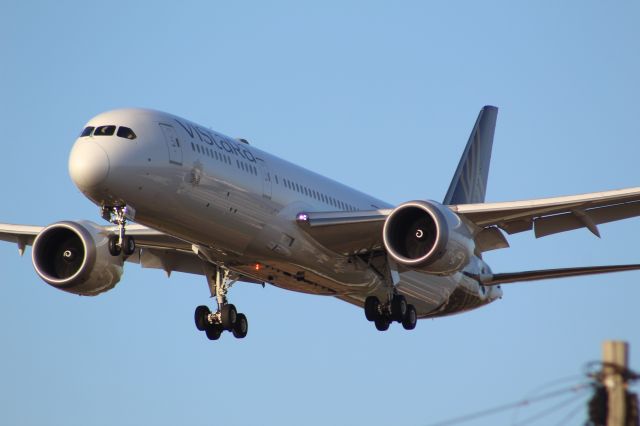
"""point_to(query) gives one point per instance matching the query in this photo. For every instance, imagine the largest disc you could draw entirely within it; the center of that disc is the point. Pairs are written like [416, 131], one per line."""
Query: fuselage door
[266, 178]
[173, 143]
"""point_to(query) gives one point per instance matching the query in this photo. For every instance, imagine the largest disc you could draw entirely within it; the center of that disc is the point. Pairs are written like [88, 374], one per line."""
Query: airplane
[180, 197]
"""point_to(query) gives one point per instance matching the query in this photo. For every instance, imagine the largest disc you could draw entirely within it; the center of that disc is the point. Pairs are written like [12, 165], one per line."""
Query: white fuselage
[237, 205]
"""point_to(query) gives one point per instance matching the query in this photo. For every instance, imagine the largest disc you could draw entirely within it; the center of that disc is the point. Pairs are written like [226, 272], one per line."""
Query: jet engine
[74, 257]
[429, 237]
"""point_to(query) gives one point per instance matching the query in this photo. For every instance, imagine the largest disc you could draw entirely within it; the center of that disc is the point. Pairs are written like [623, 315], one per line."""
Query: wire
[552, 409]
[573, 378]
[504, 407]
[571, 414]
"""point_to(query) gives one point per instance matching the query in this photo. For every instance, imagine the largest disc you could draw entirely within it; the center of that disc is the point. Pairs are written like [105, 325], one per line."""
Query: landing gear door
[266, 178]
[173, 143]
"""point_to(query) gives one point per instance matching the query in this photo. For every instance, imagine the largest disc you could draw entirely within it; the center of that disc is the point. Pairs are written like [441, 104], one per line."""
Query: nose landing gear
[226, 317]
[120, 243]
[396, 309]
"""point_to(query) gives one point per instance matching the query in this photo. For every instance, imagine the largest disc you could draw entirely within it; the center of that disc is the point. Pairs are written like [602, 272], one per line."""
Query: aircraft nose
[88, 165]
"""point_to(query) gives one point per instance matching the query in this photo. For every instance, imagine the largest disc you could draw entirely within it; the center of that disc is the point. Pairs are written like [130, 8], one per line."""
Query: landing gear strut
[120, 243]
[396, 309]
[226, 317]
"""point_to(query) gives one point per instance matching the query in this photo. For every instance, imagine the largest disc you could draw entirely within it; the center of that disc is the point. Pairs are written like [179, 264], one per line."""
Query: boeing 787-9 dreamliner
[184, 198]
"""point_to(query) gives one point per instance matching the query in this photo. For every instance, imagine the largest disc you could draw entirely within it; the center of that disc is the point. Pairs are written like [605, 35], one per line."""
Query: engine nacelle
[427, 236]
[74, 257]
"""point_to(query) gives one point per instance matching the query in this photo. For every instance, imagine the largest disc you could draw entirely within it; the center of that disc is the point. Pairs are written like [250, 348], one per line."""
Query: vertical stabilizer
[469, 183]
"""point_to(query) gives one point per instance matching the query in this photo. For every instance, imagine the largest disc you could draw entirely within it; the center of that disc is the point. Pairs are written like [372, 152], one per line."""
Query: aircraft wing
[346, 232]
[157, 250]
[549, 216]
[22, 235]
[361, 231]
[145, 237]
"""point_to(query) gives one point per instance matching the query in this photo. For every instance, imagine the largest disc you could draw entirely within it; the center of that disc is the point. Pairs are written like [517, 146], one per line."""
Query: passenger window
[87, 131]
[125, 132]
[105, 131]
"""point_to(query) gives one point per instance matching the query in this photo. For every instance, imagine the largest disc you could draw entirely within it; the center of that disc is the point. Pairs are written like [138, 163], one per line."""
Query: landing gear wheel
[398, 308]
[382, 323]
[410, 319]
[228, 316]
[213, 332]
[201, 317]
[114, 247]
[129, 246]
[371, 306]
[241, 327]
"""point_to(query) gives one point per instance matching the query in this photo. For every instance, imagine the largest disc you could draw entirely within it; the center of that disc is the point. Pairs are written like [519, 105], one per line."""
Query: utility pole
[612, 404]
[615, 359]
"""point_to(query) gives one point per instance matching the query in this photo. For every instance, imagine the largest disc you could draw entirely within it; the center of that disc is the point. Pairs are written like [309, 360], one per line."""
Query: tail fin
[469, 183]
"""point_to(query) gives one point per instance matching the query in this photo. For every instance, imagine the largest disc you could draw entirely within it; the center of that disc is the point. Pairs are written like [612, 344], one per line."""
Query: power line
[623, 405]
[504, 407]
[574, 378]
[552, 409]
[565, 420]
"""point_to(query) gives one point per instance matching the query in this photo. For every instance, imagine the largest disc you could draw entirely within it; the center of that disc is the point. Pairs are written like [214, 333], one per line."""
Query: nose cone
[88, 165]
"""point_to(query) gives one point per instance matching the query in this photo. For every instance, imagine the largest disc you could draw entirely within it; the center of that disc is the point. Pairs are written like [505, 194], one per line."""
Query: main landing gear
[120, 243]
[396, 309]
[225, 317]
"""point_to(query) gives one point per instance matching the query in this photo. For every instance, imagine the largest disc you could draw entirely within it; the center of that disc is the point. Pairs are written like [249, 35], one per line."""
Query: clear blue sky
[379, 95]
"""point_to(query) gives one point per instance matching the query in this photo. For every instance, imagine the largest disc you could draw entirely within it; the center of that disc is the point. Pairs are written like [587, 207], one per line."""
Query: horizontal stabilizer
[545, 274]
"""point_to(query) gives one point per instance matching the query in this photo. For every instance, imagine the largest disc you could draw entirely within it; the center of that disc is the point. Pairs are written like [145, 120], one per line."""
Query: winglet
[469, 183]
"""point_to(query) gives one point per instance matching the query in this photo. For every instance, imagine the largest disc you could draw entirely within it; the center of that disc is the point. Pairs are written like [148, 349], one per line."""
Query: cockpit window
[105, 131]
[125, 132]
[87, 131]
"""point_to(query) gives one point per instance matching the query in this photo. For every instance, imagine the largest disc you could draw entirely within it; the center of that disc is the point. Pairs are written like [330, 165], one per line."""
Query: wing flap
[585, 218]
[168, 260]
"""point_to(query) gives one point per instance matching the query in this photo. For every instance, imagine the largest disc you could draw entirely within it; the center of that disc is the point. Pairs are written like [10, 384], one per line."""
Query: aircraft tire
[382, 323]
[129, 246]
[241, 327]
[114, 249]
[398, 308]
[229, 316]
[214, 332]
[200, 317]
[410, 319]
[371, 304]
